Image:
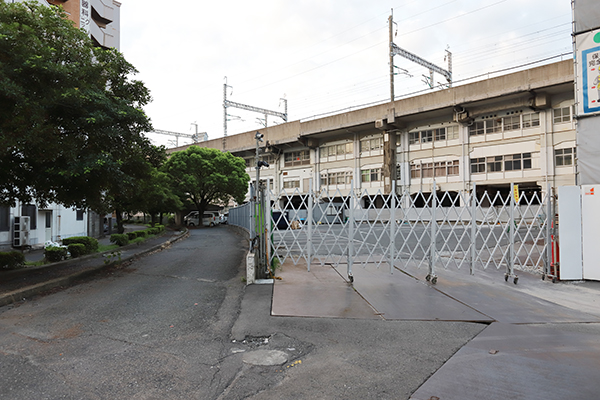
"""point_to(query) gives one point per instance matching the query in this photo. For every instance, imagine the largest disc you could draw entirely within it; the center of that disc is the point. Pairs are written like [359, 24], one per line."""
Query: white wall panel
[590, 207]
[569, 232]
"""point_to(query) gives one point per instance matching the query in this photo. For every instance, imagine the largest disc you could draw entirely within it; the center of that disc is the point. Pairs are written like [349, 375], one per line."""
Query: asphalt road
[181, 324]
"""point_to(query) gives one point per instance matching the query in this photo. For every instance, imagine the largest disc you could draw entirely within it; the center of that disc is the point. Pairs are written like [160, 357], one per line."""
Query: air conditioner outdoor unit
[21, 231]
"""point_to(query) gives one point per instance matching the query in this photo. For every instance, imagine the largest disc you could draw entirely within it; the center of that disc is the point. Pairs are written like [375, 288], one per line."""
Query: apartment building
[517, 128]
[100, 18]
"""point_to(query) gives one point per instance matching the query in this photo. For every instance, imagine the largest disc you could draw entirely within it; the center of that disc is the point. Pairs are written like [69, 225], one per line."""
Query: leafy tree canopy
[70, 115]
[208, 176]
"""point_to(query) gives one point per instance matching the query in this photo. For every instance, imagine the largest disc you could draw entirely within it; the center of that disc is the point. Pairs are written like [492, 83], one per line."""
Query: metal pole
[391, 41]
[549, 236]
[263, 232]
[225, 108]
[309, 221]
[473, 226]
[252, 216]
[351, 231]
[268, 246]
[392, 226]
[511, 230]
[433, 221]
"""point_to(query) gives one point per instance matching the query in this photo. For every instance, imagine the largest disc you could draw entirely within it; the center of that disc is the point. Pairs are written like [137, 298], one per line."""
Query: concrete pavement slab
[488, 292]
[507, 361]
[319, 293]
[400, 296]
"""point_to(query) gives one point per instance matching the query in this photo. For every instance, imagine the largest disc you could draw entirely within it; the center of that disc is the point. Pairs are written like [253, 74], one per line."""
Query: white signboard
[588, 72]
[85, 15]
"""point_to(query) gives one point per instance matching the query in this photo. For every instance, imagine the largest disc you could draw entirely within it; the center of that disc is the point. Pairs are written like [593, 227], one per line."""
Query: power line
[312, 117]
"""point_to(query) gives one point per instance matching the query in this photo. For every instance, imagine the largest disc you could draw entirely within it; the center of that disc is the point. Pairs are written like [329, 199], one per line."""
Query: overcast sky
[323, 56]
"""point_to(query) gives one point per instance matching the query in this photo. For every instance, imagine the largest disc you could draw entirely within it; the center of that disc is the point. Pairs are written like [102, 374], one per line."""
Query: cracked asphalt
[181, 324]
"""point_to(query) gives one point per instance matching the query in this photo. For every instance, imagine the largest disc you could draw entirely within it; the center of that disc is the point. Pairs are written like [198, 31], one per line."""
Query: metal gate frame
[336, 229]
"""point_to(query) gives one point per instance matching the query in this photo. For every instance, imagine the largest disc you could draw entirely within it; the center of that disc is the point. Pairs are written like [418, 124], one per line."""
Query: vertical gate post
[473, 227]
[252, 214]
[432, 253]
[350, 224]
[392, 225]
[511, 230]
[549, 220]
[309, 221]
[268, 232]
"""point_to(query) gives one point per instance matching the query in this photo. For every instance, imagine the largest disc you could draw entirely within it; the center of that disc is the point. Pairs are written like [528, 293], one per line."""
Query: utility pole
[395, 50]
[390, 23]
[227, 103]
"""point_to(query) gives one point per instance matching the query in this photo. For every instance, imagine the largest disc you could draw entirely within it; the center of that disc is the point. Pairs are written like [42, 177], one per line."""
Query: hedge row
[77, 249]
[91, 244]
[11, 259]
[123, 239]
[55, 254]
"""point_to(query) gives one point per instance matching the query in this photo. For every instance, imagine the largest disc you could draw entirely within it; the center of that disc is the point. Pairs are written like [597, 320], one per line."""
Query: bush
[76, 249]
[131, 235]
[138, 240]
[11, 260]
[142, 234]
[153, 231]
[119, 238]
[91, 244]
[161, 228]
[54, 254]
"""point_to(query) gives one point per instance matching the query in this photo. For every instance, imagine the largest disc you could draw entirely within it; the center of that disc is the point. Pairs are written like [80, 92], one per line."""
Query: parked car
[192, 219]
[210, 218]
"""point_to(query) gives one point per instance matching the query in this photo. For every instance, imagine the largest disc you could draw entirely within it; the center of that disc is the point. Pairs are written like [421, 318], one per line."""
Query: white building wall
[63, 224]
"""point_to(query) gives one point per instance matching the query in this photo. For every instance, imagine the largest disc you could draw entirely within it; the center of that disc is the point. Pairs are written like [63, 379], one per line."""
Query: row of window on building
[514, 120]
[345, 177]
[430, 135]
[435, 169]
[508, 162]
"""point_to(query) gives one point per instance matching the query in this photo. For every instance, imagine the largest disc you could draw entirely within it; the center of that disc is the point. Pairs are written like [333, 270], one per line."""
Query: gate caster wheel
[434, 280]
[544, 277]
[351, 278]
[428, 277]
[505, 277]
[516, 280]
[554, 280]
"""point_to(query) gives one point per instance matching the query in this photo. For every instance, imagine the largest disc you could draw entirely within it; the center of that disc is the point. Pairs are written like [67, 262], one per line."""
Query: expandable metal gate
[423, 230]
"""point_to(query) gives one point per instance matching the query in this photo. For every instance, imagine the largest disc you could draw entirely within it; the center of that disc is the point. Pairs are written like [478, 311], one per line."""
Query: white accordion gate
[427, 230]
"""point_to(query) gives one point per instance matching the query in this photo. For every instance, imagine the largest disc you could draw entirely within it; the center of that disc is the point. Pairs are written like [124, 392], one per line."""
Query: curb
[19, 294]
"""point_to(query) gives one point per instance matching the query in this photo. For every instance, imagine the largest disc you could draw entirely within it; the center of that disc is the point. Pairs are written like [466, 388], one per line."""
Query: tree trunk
[120, 227]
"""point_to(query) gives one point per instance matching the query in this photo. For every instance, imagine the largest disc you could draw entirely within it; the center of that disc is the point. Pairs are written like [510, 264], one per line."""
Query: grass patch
[35, 263]
[107, 247]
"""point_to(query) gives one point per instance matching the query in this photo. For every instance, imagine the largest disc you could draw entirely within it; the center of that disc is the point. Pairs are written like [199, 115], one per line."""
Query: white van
[191, 219]
[210, 218]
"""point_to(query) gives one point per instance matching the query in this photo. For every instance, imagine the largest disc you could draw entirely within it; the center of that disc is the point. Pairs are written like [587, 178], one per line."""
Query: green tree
[207, 176]
[71, 118]
[156, 196]
[127, 191]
